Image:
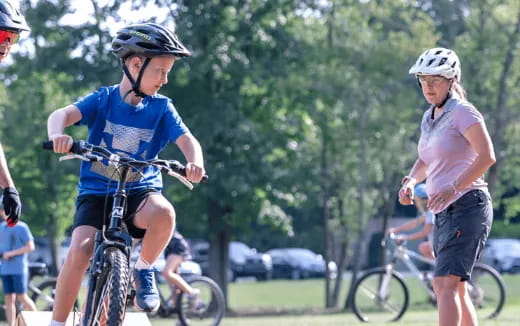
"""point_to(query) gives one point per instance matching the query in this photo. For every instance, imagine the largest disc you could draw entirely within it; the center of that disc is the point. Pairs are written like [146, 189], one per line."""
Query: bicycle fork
[385, 282]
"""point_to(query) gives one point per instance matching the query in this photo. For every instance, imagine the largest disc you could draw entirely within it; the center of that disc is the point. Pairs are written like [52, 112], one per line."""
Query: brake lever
[182, 179]
[72, 157]
[84, 157]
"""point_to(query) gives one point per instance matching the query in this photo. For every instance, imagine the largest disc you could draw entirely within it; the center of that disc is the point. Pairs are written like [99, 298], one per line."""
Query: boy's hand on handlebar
[194, 172]
[61, 143]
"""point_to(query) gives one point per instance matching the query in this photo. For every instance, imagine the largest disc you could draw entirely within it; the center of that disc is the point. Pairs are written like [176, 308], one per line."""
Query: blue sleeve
[24, 234]
[173, 121]
[88, 106]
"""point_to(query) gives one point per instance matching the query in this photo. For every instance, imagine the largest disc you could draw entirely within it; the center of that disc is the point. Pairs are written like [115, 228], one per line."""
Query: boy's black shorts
[90, 210]
[460, 234]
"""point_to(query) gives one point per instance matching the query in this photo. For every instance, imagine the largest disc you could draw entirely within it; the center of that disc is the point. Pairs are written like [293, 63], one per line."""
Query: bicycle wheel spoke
[207, 308]
[486, 290]
[370, 306]
[370, 294]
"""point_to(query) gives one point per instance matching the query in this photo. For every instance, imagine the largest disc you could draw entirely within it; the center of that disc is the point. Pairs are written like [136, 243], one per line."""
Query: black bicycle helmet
[148, 40]
[11, 19]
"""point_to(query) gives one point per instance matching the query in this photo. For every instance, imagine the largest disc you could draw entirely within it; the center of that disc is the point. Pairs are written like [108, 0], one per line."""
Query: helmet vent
[438, 52]
[430, 62]
[148, 46]
[443, 60]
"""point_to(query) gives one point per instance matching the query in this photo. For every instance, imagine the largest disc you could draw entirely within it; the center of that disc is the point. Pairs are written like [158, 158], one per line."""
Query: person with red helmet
[12, 23]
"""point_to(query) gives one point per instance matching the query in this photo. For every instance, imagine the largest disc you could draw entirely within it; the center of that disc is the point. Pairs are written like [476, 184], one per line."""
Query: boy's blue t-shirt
[12, 239]
[140, 132]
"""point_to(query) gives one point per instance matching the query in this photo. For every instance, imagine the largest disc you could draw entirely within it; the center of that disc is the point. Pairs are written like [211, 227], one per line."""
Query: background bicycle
[382, 294]
[208, 310]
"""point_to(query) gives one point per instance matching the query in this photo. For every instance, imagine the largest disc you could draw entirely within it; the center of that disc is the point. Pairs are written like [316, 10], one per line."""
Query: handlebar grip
[76, 148]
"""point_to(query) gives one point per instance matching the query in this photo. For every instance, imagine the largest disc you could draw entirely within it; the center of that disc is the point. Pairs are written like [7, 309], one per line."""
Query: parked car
[299, 263]
[503, 254]
[246, 261]
[243, 260]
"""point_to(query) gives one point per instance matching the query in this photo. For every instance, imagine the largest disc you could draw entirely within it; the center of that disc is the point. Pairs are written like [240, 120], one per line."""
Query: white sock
[57, 323]
[142, 264]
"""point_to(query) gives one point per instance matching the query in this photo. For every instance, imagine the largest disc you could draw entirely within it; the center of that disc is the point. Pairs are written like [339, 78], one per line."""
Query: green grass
[414, 318]
[309, 295]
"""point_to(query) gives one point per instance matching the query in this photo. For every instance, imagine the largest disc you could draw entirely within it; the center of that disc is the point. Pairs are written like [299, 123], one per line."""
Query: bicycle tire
[487, 291]
[109, 301]
[212, 304]
[44, 300]
[367, 305]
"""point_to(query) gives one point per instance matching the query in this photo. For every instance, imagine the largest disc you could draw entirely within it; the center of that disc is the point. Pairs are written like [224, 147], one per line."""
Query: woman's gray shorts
[460, 233]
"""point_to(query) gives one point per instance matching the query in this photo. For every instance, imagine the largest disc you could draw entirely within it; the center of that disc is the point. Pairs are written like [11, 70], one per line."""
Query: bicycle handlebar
[88, 152]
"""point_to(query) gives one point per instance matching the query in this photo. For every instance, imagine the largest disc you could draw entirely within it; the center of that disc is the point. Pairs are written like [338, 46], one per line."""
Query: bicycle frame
[407, 256]
[114, 236]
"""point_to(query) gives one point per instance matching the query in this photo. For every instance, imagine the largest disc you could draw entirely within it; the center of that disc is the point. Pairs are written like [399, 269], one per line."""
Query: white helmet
[438, 61]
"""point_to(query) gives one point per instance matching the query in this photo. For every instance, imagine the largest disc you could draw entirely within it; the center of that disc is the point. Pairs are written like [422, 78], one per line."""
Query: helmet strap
[135, 83]
[440, 105]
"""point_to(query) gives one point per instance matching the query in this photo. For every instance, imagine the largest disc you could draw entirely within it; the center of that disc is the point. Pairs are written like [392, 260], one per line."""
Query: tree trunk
[342, 260]
[53, 245]
[218, 251]
[361, 199]
[325, 213]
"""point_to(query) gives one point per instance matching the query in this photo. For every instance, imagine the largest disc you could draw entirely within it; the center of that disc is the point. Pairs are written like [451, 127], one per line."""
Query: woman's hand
[406, 192]
[445, 194]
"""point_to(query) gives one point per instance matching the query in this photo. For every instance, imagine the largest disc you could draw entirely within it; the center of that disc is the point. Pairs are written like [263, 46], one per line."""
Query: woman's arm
[417, 174]
[478, 137]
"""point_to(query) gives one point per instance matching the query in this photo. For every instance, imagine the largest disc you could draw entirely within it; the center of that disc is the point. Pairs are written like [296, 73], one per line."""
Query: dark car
[243, 260]
[299, 263]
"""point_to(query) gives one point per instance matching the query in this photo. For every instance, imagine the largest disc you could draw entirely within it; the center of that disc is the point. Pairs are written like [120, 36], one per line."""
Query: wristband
[407, 179]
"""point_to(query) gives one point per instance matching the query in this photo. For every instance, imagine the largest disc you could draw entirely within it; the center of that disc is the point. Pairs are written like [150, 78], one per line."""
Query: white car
[503, 254]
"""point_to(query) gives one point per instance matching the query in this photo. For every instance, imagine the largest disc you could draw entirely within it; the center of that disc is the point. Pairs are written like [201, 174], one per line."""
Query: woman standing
[455, 150]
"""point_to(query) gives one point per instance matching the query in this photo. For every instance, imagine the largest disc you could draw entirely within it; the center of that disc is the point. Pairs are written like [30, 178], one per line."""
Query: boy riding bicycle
[133, 120]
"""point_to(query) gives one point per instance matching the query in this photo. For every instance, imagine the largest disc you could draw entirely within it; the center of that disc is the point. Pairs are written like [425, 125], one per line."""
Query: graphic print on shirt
[126, 141]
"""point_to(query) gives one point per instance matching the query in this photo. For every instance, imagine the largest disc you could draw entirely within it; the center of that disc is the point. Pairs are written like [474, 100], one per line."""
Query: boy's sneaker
[146, 294]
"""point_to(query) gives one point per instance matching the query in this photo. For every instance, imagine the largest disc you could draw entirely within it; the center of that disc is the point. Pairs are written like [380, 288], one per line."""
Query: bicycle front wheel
[109, 296]
[487, 291]
[380, 297]
[207, 309]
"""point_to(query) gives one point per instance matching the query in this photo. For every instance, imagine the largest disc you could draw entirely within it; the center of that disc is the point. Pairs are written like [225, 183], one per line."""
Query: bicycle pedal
[130, 297]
